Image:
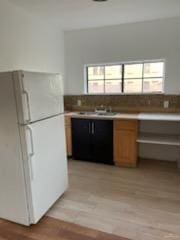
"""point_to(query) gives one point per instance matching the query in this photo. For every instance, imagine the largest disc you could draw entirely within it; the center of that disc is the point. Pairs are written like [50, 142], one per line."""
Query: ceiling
[79, 14]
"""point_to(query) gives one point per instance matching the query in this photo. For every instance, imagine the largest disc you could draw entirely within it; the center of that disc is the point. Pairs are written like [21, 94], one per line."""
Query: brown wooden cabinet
[68, 135]
[125, 146]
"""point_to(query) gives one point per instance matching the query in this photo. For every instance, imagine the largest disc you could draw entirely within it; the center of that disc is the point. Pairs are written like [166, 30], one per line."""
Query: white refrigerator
[33, 163]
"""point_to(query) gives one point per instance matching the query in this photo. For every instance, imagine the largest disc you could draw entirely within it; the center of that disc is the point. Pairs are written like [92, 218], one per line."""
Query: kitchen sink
[107, 114]
[87, 113]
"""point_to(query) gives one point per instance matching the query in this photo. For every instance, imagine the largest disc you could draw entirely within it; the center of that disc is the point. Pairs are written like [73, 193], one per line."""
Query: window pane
[153, 85]
[95, 73]
[113, 72]
[96, 86]
[133, 85]
[153, 69]
[113, 86]
[133, 70]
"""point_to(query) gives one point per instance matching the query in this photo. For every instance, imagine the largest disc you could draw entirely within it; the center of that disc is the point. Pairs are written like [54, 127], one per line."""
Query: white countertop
[159, 116]
[137, 116]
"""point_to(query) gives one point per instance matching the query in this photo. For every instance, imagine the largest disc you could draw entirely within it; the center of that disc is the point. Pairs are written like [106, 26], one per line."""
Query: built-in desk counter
[159, 116]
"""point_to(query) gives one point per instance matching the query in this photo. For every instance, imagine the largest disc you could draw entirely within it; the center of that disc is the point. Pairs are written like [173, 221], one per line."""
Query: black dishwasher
[92, 140]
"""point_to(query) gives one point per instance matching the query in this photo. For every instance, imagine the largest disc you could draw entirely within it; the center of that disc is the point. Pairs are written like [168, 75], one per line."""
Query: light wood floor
[140, 204]
[51, 229]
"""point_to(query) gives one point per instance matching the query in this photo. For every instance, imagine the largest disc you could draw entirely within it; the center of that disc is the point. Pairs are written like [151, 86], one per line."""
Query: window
[140, 77]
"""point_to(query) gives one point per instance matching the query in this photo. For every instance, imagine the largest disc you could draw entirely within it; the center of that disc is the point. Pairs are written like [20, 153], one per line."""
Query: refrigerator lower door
[38, 95]
[47, 164]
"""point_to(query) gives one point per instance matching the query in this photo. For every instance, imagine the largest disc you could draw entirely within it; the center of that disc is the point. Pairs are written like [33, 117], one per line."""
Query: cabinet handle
[89, 128]
[92, 127]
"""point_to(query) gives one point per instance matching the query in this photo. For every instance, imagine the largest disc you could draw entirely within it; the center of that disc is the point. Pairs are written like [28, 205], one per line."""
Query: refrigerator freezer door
[48, 163]
[39, 95]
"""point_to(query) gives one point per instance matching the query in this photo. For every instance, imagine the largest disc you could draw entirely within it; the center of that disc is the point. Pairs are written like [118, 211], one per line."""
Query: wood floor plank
[51, 229]
[139, 204]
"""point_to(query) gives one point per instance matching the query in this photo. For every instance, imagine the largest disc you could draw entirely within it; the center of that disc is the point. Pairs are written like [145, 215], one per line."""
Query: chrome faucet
[104, 109]
[109, 109]
[101, 108]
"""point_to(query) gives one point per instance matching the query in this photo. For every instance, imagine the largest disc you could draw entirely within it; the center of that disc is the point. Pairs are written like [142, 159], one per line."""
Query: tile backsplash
[123, 103]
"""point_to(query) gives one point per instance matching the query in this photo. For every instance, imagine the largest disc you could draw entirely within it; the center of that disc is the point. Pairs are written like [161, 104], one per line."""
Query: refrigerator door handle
[31, 138]
[32, 151]
[28, 105]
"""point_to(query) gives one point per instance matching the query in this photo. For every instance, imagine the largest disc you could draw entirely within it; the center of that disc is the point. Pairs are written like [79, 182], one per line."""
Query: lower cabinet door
[81, 139]
[125, 146]
[68, 141]
[102, 141]
[125, 150]
[92, 140]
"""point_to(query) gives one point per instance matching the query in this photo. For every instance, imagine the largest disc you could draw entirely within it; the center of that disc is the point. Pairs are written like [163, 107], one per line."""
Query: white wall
[27, 43]
[147, 40]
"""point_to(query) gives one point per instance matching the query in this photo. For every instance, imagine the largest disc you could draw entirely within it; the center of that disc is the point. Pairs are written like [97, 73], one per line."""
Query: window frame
[86, 80]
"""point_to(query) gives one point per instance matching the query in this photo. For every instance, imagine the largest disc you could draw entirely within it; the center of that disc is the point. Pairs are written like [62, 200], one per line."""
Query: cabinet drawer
[125, 124]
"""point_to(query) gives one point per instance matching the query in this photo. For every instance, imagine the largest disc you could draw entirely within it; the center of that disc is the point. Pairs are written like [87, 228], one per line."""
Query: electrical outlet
[166, 104]
[79, 103]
